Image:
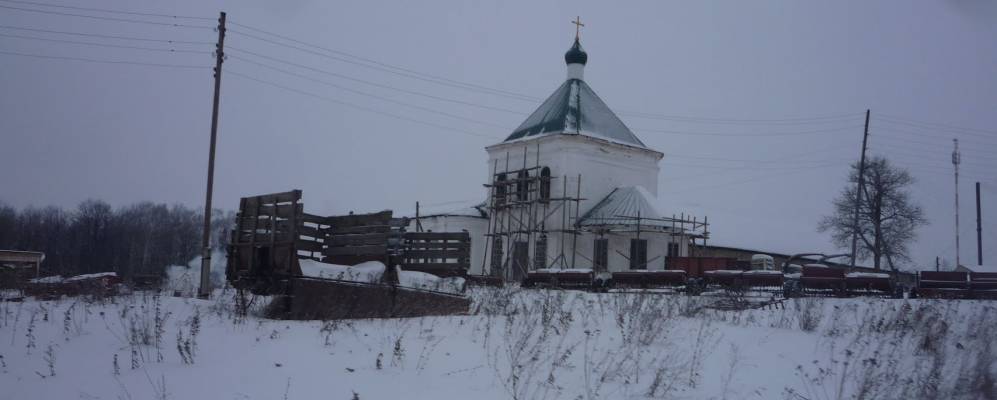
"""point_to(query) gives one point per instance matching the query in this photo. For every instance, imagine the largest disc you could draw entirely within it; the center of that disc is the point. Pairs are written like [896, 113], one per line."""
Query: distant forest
[142, 238]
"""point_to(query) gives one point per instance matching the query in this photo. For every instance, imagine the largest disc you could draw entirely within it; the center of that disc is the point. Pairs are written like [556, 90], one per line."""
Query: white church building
[571, 188]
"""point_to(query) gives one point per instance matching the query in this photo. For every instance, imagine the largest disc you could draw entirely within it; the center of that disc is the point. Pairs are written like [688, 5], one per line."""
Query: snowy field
[523, 344]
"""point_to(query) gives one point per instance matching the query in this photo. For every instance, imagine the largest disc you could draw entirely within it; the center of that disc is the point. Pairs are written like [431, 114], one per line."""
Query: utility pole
[205, 289]
[858, 194]
[979, 228]
[956, 160]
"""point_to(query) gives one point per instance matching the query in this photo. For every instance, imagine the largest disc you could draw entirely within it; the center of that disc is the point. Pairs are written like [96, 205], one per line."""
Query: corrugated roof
[574, 108]
[623, 202]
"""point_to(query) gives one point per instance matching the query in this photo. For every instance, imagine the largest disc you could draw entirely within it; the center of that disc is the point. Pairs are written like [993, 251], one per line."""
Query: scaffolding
[521, 207]
[676, 226]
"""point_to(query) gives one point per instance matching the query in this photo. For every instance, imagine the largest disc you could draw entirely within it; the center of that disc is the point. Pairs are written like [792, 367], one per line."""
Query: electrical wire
[382, 66]
[104, 10]
[359, 107]
[750, 134]
[382, 98]
[93, 60]
[134, 21]
[342, 76]
[406, 72]
[96, 35]
[118, 46]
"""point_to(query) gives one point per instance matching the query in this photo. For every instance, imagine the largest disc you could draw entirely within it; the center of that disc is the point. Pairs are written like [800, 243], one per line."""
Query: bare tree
[888, 217]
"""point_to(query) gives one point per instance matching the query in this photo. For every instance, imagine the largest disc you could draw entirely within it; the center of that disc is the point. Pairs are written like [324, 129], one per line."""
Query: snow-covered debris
[422, 280]
[368, 272]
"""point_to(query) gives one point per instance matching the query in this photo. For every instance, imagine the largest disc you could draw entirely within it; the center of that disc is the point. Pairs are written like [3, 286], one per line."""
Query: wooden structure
[273, 233]
[944, 284]
[17, 267]
[101, 284]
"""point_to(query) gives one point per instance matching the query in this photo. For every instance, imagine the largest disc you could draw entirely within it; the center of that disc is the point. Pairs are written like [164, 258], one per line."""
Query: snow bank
[84, 277]
[726, 272]
[866, 275]
[368, 272]
[563, 271]
[762, 272]
[48, 279]
[422, 280]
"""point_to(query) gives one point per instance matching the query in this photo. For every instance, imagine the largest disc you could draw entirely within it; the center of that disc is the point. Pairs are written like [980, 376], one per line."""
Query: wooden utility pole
[205, 289]
[858, 192]
[979, 228]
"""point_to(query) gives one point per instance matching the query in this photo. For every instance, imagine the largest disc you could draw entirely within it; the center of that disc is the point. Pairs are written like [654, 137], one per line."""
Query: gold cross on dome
[578, 26]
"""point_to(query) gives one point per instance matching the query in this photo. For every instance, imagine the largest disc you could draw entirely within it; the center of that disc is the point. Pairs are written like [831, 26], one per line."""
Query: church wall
[657, 249]
[603, 166]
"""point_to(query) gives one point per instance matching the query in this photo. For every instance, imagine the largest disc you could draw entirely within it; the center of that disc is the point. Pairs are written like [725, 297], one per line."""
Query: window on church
[638, 253]
[600, 258]
[522, 186]
[500, 189]
[545, 184]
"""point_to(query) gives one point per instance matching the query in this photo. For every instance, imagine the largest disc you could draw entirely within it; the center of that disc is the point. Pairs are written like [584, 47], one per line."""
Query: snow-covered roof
[622, 206]
[574, 108]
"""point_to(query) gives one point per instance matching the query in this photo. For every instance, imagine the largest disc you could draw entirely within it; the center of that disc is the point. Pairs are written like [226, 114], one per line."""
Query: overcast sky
[757, 106]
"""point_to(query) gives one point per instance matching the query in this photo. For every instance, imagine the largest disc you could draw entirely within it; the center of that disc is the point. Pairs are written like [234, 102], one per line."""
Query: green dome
[576, 55]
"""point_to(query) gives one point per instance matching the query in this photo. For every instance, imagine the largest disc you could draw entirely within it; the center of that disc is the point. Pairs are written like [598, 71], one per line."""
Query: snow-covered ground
[525, 344]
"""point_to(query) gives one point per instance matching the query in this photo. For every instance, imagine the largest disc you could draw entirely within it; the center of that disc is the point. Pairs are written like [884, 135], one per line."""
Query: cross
[578, 26]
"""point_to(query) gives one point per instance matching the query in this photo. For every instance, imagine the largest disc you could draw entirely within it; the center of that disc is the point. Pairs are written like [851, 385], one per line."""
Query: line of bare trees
[142, 238]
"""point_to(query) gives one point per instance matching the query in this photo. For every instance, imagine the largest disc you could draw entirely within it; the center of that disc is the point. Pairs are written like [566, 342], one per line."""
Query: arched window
[500, 189]
[522, 185]
[545, 184]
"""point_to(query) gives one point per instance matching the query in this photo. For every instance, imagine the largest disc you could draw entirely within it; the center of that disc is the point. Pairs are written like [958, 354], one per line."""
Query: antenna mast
[956, 160]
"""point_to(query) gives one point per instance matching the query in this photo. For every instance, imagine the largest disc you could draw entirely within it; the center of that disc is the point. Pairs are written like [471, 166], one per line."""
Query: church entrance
[520, 260]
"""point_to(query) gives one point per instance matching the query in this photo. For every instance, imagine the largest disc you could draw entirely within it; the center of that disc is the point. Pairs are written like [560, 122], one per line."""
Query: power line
[359, 107]
[780, 161]
[105, 10]
[750, 134]
[950, 129]
[935, 134]
[327, 72]
[93, 60]
[96, 35]
[338, 75]
[783, 121]
[937, 124]
[105, 44]
[406, 72]
[382, 66]
[134, 21]
[752, 168]
[382, 98]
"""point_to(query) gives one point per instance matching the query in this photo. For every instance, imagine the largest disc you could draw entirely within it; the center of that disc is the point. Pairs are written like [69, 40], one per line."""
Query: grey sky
[73, 130]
